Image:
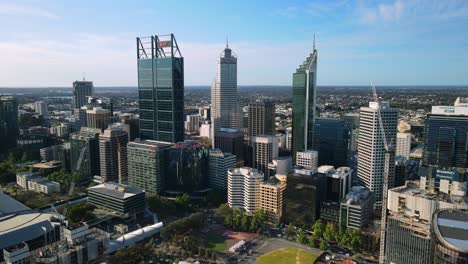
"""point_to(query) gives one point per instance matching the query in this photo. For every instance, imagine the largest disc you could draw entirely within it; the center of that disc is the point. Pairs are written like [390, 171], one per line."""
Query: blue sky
[395, 42]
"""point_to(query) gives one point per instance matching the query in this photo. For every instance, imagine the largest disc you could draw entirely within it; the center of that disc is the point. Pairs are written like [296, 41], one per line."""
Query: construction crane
[389, 150]
[77, 168]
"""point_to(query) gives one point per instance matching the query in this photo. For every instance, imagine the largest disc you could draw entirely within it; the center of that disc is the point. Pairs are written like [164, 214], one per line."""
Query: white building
[205, 130]
[192, 123]
[33, 182]
[225, 111]
[371, 157]
[41, 108]
[403, 145]
[244, 188]
[265, 149]
[307, 159]
[218, 165]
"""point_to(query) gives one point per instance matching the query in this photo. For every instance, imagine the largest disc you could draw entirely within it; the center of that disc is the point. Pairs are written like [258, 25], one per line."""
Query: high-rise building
[113, 155]
[81, 89]
[147, 165]
[97, 118]
[192, 123]
[187, 167]
[446, 139]
[244, 189]
[133, 123]
[272, 193]
[41, 108]
[450, 232]
[408, 233]
[224, 98]
[160, 88]
[9, 130]
[307, 159]
[84, 152]
[261, 118]
[371, 149]
[338, 182]
[303, 108]
[403, 145]
[264, 150]
[218, 165]
[232, 141]
[332, 140]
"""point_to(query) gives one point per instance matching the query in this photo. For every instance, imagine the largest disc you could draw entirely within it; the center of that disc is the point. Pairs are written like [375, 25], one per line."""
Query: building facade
[356, 208]
[272, 193]
[97, 117]
[332, 140]
[303, 105]
[307, 159]
[9, 129]
[160, 88]
[146, 165]
[218, 165]
[84, 153]
[118, 198]
[244, 189]
[371, 149]
[81, 89]
[403, 145]
[231, 140]
[261, 114]
[113, 155]
[264, 150]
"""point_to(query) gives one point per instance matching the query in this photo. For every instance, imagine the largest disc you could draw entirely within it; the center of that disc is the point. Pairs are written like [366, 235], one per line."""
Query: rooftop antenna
[84, 76]
[314, 40]
[227, 42]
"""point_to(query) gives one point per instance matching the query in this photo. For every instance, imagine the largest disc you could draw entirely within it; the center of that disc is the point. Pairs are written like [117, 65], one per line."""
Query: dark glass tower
[8, 122]
[160, 88]
[303, 110]
[332, 138]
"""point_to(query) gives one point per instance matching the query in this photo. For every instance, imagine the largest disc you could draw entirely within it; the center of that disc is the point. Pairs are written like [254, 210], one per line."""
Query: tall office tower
[338, 182]
[265, 149]
[41, 108]
[401, 173]
[232, 141]
[261, 118]
[224, 98]
[113, 155]
[134, 124]
[332, 140]
[9, 130]
[403, 145]
[303, 108]
[307, 159]
[371, 149]
[408, 234]
[187, 167]
[244, 189]
[218, 165]
[160, 88]
[205, 113]
[271, 201]
[84, 152]
[97, 118]
[289, 138]
[146, 161]
[81, 89]
[192, 124]
[446, 139]
[449, 231]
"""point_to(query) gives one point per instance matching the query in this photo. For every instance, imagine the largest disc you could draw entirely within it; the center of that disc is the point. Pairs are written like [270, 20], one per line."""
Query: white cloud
[10, 9]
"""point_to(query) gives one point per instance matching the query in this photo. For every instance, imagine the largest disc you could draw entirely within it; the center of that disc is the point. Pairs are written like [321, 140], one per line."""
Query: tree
[223, 210]
[301, 237]
[183, 202]
[312, 241]
[330, 231]
[244, 223]
[80, 212]
[24, 157]
[290, 231]
[318, 228]
[323, 245]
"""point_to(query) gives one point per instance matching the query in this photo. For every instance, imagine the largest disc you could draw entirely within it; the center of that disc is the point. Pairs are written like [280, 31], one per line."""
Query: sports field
[287, 256]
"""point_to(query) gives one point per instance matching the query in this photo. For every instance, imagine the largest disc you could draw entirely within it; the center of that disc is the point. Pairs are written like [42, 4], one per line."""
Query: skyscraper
[146, 165]
[403, 145]
[446, 139]
[9, 130]
[81, 89]
[303, 108]
[371, 149]
[97, 118]
[232, 141]
[332, 140]
[113, 155]
[224, 98]
[160, 88]
[261, 118]
[265, 149]
[244, 189]
[84, 152]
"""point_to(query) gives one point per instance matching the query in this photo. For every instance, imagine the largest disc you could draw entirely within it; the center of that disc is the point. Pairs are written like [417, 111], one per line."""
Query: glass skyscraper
[332, 138]
[303, 109]
[8, 122]
[81, 90]
[160, 88]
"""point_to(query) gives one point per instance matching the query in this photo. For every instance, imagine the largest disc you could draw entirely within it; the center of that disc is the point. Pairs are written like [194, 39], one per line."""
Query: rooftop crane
[389, 149]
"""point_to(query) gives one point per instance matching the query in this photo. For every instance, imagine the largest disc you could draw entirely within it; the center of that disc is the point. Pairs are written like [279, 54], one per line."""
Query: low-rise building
[218, 165]
[116, 197]
[357, 207]
[33, 182]
[272, 192]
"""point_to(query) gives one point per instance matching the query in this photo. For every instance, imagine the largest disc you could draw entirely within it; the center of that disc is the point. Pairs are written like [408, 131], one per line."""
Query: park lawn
[216, 242]
[287, 256]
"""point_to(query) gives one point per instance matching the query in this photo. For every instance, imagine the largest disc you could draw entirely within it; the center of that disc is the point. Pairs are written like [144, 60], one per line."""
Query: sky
[49, 43]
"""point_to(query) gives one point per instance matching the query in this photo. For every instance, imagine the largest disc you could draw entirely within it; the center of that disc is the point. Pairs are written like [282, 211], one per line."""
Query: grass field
[287, 256]
[215, 242]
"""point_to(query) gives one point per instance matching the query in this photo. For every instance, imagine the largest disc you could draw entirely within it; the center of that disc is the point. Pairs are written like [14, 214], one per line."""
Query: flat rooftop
[412, 189]
[116, 190]
[9, 205]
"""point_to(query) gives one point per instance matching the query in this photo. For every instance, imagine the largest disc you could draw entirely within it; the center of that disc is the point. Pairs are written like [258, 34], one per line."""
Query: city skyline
[353, 38]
